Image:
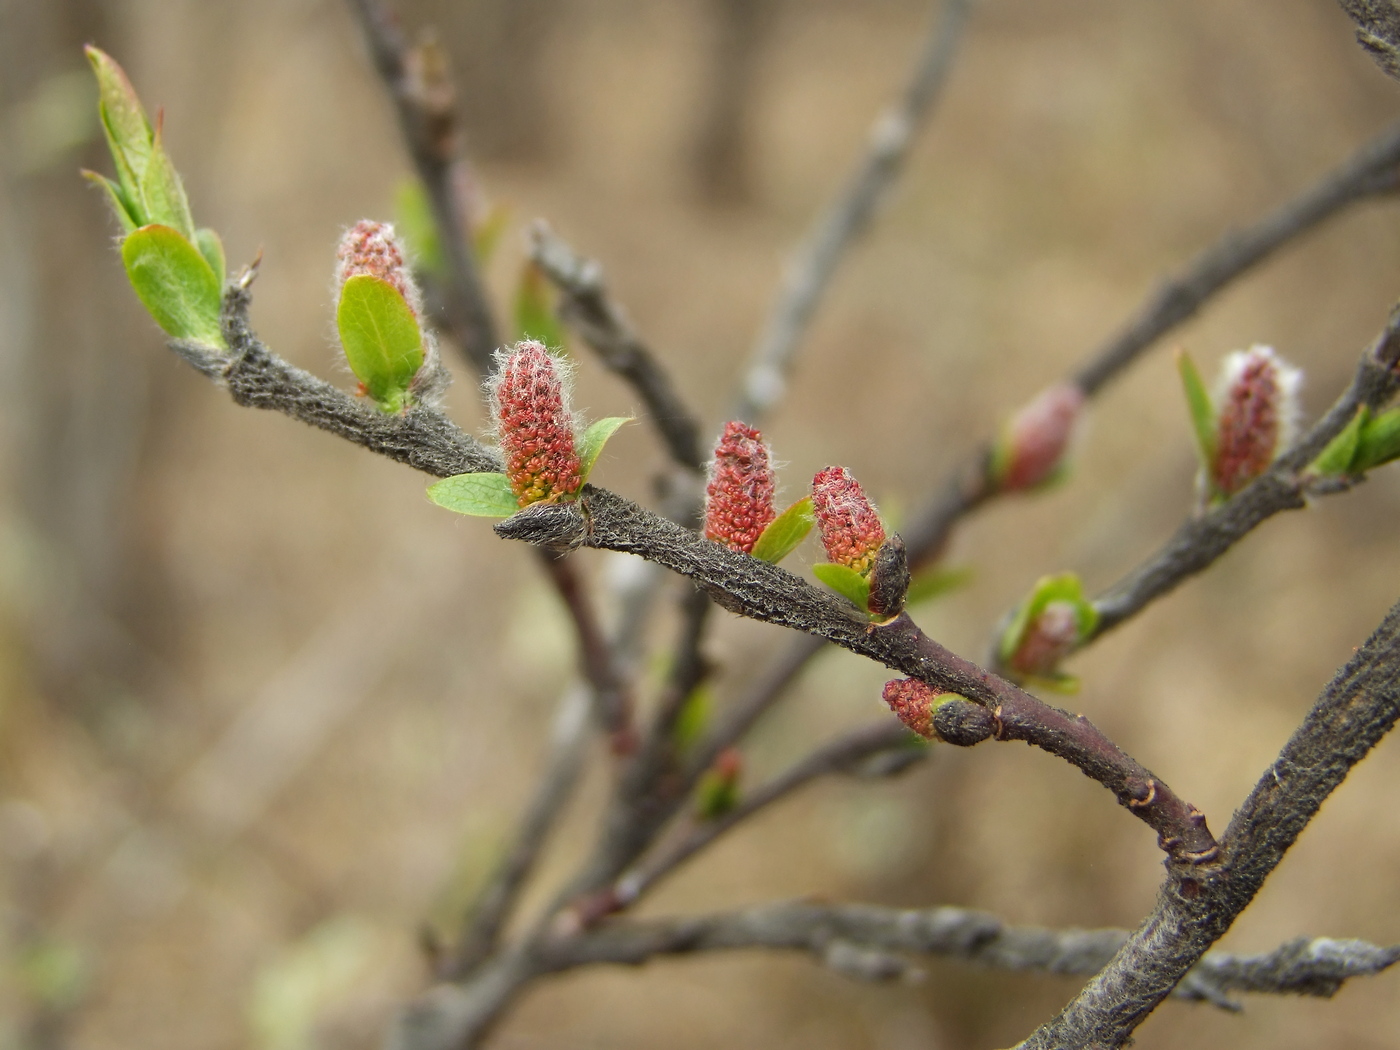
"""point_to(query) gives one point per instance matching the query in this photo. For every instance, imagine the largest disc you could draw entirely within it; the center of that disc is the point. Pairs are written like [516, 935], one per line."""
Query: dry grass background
[264, 711]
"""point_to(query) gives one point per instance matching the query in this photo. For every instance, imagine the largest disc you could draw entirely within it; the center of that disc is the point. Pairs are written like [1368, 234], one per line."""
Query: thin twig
[871, 942]
[1194, 909]
[482, 927]
[841, 755]
[1285, 486]
[422, 93]
[809, 271]
[587, 307]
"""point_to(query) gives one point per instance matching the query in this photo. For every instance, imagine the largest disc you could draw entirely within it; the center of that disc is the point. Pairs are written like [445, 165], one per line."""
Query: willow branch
[588, 308]
[417, 82]
[812, 265]
[760, 591]
[871, 942]
[1284, 486]
[1194, 909]
[1378, 30]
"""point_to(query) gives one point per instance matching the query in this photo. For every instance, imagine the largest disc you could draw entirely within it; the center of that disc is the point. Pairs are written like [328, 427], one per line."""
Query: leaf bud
[1031, 451]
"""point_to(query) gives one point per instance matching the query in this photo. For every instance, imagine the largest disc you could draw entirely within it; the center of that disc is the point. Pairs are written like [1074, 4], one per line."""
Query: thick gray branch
[1194, 909]
[1378, 30]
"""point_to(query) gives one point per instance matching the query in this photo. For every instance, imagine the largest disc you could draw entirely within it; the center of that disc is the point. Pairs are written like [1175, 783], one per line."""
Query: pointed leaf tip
[590, 444]
[785, 532]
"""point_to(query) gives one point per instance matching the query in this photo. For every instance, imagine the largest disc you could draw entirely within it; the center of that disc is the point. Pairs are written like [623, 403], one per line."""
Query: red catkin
[535, 427]
[850, 529]
[739, 497]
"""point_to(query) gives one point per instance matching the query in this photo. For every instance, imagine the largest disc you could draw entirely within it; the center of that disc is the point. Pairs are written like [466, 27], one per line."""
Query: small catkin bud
[739, 497]
[913, 702]
[534, 425]
[850, 529]
[1047, 640]
[1256, 412]
[889, 578]
[1034, 443]
[373, 248]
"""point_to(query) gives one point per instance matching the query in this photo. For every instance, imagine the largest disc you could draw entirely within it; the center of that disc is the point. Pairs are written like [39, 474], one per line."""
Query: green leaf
[593, 440]
[534, 308]
[124, 123]
[115, 198]
[162, 193]
[480, 495]
[175, 283]
[846, 582]
[1064, 587]
[1202, 411]
[785, 532]
[1379, 441]
[381, 338]
[1340, 453]
[413, 217]
[212, 248]
[936, 582]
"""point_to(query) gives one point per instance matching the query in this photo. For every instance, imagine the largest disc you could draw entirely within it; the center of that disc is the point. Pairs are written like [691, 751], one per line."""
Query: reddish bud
[718, 790]
[373, 248]
[913, 702]
[1047, 640]
[534, 426]
[1034, 443]
[1256, 411]
[739, 498]
[851, 530]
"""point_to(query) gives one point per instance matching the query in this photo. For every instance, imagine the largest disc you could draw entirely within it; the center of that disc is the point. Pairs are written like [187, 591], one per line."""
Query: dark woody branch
[425, 439]
[871, 942]
[587, 307]
[765, 592]
[1359, 706]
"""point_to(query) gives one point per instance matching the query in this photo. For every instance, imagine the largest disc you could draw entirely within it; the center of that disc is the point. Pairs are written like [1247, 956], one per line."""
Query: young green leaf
[381, 339]
[480, 495]
[125, 125]
[593, 440]
[1339, 455]
[175, 283]
[1202, 411]
[785, 532]
[212, 248]
[534, 308]
[1379, 441]
[845, 581]
[936, 582]
[115, 198]
[162, 193]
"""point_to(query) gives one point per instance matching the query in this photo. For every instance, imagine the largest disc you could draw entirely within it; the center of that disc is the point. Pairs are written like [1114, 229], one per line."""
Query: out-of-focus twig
[809, 270]
[841, 755]
[417, 81]
[589, 309]
[870, 942]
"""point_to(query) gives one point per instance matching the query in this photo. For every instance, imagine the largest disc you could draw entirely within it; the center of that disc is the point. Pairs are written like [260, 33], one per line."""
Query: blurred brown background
[264, 711]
